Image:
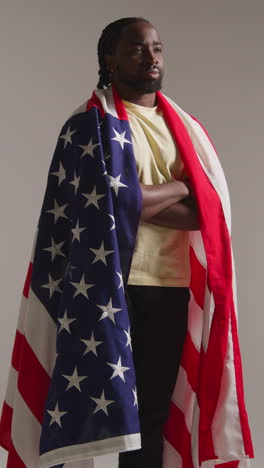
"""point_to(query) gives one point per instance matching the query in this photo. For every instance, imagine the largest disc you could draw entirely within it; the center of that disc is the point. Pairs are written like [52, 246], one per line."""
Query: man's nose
[150, 57]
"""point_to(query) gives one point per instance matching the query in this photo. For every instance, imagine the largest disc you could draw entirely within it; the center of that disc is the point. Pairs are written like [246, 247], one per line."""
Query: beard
[142, 85]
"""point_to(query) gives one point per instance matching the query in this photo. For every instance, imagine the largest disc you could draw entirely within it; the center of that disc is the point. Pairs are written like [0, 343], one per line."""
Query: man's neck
[136, 97]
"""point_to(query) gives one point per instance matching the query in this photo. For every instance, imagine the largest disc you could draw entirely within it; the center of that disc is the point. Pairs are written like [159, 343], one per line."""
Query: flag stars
[81, 287]
[55, 249]
[65, 322]
[60, 174]
[91, 345]
[56, 415]
[89, 149]
[93, 197]
[134, 390]
[74, 380]
[52, 286]
[128, 343]
[108, 311]
[58, 211]
[77, 231]
[113, 219]
[121, 282]
[75, 182]
[101, 403]
[115, 183]
[67, 136]
[101, 254]
[120, 137]
[118, 369]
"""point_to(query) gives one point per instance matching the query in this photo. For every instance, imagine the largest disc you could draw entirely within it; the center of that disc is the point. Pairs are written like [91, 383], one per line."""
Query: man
[134, 235]
[160, 272]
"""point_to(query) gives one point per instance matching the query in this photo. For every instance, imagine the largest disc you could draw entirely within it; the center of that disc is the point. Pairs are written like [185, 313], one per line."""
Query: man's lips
[152, 73]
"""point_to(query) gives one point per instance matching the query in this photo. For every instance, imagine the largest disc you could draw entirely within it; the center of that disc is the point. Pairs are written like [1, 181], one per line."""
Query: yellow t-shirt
[161, 256]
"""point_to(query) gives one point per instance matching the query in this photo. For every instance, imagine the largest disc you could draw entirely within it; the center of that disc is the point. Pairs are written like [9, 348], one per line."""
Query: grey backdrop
[214, 70]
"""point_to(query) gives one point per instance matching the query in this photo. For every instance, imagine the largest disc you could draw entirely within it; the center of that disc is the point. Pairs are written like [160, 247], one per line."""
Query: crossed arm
[171, 205]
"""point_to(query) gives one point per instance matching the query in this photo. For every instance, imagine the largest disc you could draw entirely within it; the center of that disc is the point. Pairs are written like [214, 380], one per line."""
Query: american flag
[72, 390]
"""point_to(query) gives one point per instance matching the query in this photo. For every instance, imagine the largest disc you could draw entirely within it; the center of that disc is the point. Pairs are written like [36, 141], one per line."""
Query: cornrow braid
[107, 44]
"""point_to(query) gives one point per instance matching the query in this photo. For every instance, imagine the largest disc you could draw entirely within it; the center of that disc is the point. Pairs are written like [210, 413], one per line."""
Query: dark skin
[137, 67]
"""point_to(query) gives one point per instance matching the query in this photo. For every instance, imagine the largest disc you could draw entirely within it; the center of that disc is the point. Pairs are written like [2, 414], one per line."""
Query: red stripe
[14, 461]
[190, 361]
[17, 350]
[198, 279]
[177, 434]
[33, 381]
[94, 101]
[5, 426]
[28, 280]
[217, 247]
[120, 108]
[239, 386]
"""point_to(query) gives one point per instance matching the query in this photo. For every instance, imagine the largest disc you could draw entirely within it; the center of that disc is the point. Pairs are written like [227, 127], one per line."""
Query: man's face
[138, 60]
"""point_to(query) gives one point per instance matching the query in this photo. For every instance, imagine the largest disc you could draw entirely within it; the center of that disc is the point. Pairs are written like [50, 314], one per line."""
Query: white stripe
[195, 322]
[25, 433]
[196, 241]
[80, 110]
[208, 159]
[80, 464]
[184, 397]
[11, 387]
[171, 457]
[40, 332]
[209, 307]
[107, 100]
[89, 450]
[195, 434]
[231, 440]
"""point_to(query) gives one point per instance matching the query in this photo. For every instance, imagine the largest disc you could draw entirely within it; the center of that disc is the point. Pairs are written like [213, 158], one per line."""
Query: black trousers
[158, 318]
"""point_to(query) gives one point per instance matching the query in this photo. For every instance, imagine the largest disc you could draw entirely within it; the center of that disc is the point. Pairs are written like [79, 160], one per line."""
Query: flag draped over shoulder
[72, 389]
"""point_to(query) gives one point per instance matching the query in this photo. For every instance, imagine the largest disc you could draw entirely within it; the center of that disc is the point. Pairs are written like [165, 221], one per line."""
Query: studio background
[214, 70]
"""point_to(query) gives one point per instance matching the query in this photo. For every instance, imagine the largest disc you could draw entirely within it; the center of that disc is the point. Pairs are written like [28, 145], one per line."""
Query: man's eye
[158, 49]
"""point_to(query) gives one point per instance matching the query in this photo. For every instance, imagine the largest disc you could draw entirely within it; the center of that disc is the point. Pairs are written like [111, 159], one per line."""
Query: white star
[101, 403]
[55, 249]
[100, 254]
[60, 173]
[88, 149]
[92, 198]
[108, 311]
[91, 345]
[81, 287]
[56, 415]
[134, 390]
[76, 231]
[128, 343]
[120, 137]
[67, 136]
[58, 211]
[52, 285]
[118, 369]
[113, 219]
[65, 322]
[75, 182]
[114, 182]
[121, 284]
[74, 380]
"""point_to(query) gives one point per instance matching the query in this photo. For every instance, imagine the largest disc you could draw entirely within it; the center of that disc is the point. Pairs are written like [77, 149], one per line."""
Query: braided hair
[107, 44]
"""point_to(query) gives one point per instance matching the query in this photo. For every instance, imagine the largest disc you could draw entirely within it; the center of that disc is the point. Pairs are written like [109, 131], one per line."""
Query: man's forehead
[139, 32]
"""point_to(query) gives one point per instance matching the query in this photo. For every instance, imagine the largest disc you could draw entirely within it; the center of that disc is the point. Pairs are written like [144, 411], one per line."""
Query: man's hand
[171, 205]
[156, 198]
